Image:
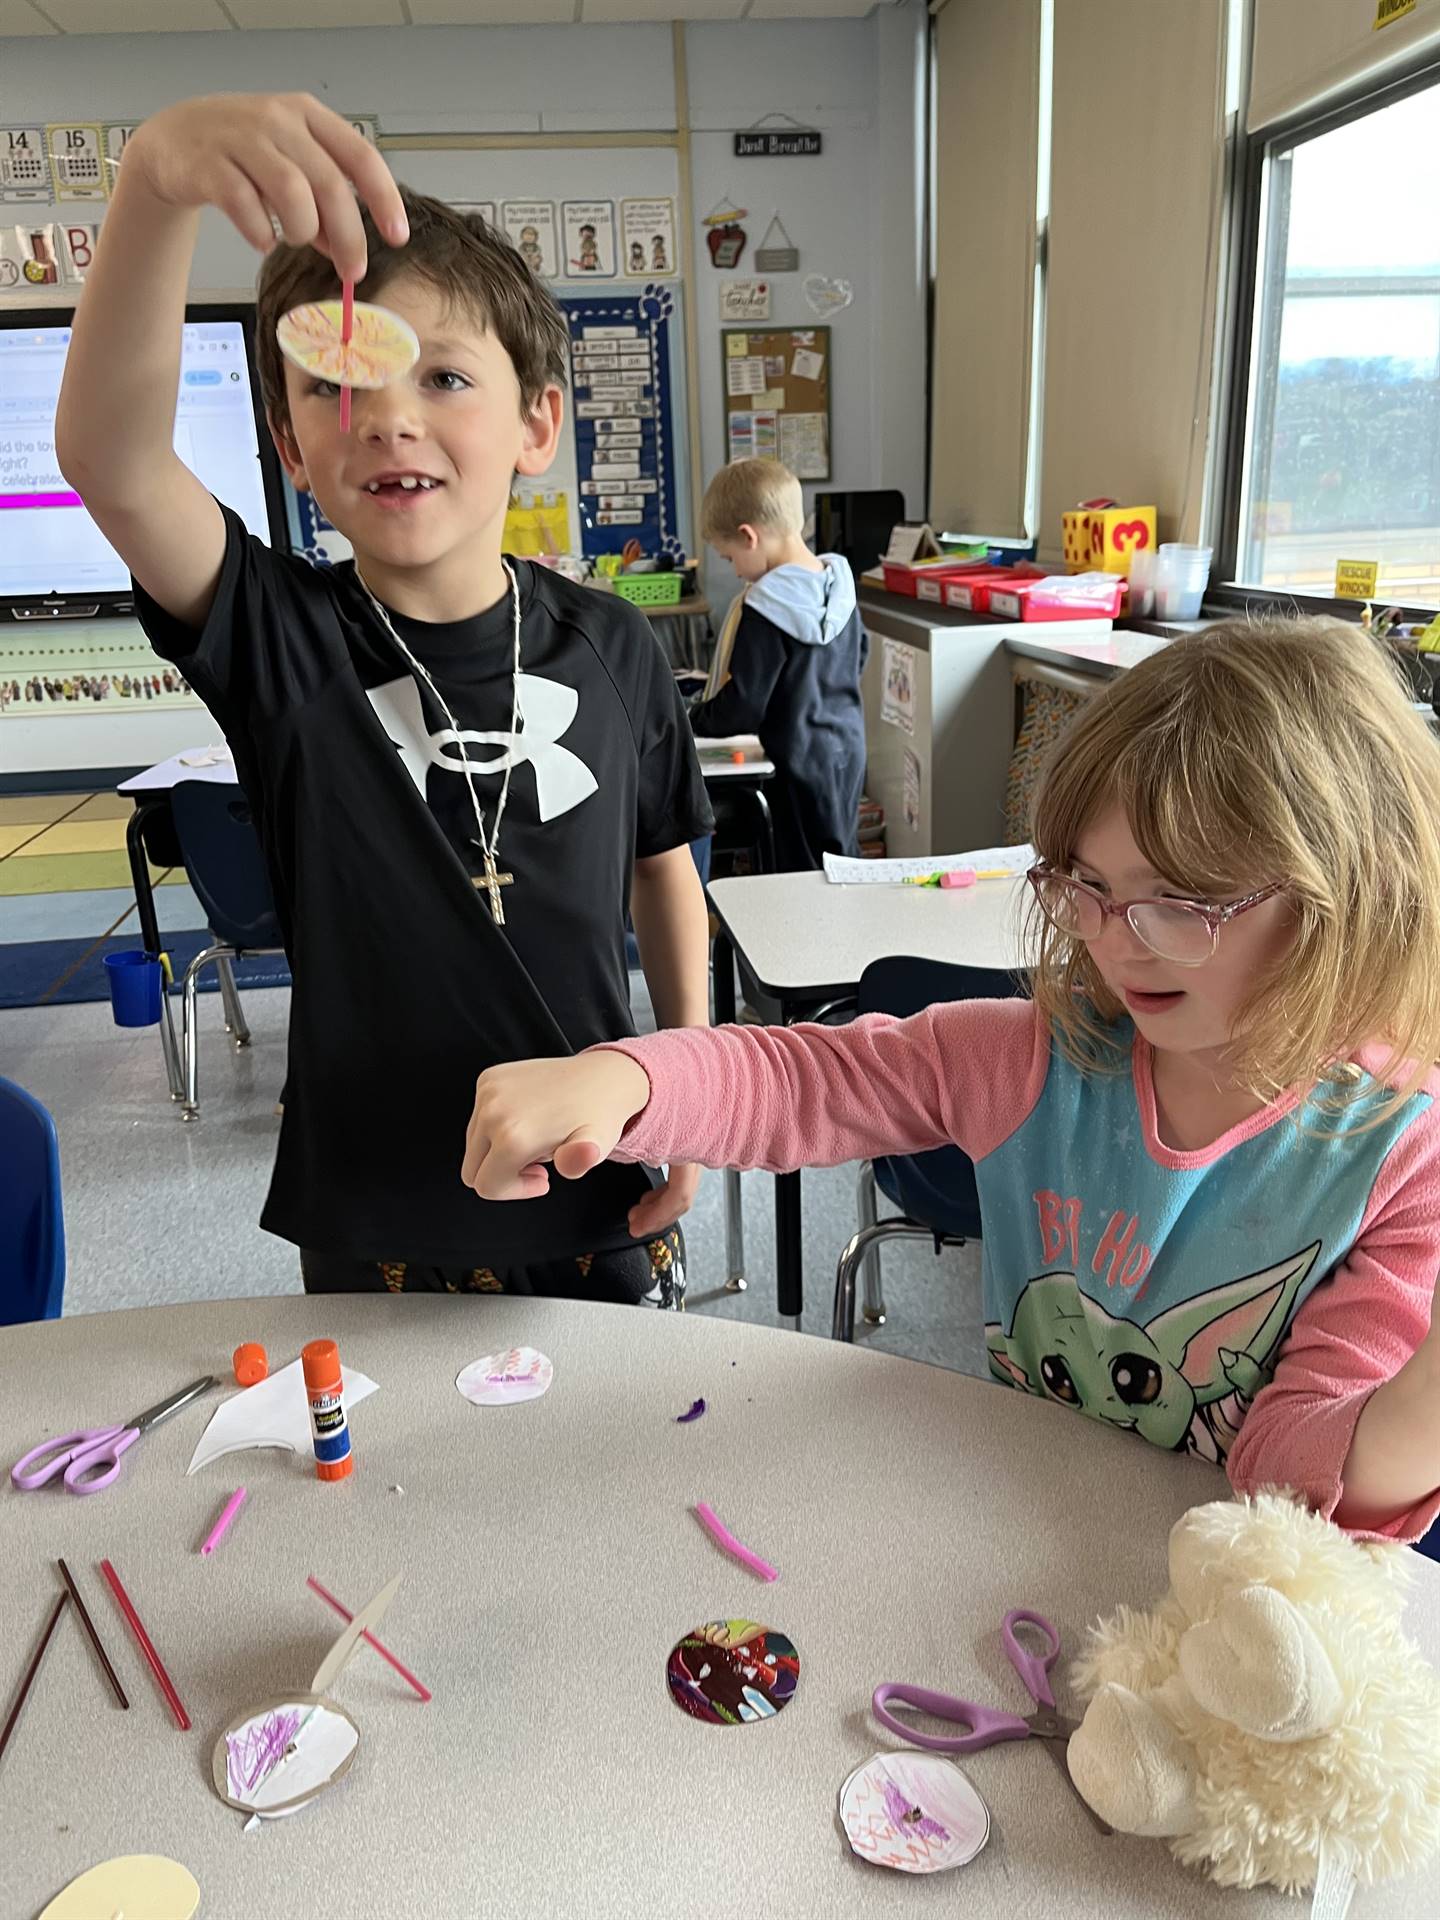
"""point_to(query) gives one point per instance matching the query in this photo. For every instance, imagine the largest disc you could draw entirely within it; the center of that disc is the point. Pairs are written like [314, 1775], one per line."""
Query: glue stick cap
[250, 1363]
[321, 1360]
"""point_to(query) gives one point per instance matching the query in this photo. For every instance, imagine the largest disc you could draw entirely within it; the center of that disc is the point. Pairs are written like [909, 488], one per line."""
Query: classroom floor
[157, 1210]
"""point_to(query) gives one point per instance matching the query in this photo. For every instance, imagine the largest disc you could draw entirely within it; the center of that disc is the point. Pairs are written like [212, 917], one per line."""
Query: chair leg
[189, 1028]
[851, 1260]
[734, 1235]
[169, 1046]
[868, 1214]
[235, 1022]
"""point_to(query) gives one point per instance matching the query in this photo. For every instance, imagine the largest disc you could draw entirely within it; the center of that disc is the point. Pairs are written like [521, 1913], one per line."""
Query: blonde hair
[1281, 750]
[752, 493]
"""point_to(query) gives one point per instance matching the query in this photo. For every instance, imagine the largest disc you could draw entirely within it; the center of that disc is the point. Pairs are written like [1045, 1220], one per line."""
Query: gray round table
[550, 1562]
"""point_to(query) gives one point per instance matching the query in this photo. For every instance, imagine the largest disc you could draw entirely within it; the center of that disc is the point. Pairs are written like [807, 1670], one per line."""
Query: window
[1341, 441]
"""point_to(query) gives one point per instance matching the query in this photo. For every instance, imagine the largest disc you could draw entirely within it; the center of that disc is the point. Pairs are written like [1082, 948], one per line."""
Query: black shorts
[651, 1274]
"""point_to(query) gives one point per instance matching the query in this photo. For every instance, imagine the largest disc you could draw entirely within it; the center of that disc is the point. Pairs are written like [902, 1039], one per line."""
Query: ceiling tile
[261, 14]
[136, 16]
[813, 9]
[18, 16]
[600, 12]
[490, 13]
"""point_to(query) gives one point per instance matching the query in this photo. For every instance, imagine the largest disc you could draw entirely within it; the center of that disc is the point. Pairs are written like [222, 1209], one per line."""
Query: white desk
[806, 940]
[718, 762]
[549, 1565]
[215, 763]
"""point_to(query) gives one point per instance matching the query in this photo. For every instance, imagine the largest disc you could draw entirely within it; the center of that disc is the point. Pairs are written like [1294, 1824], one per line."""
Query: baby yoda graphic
[1170, 1380]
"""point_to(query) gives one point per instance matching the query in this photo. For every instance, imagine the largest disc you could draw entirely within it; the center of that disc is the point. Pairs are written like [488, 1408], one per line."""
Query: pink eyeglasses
[1184, 932]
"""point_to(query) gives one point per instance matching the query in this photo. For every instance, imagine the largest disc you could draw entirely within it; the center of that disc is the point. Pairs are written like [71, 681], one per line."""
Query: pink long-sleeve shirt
[1240, 1301]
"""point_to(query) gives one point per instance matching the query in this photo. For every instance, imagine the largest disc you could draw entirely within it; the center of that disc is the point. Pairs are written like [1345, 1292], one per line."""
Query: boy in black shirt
[463, 769]
[788, 661]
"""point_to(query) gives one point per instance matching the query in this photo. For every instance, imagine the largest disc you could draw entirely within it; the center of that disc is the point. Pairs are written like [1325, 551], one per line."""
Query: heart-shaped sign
[826, 296]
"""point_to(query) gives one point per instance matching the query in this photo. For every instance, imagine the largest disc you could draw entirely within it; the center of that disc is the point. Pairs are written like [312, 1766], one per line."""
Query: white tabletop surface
[212, 762]
[1107, 653]
[716, 762]
[801, 934]
[550, 1562]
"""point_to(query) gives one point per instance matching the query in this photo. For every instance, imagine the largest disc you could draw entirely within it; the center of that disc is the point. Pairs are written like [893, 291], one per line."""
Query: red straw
[157, 1666]
[384, 1652]
[347, 328]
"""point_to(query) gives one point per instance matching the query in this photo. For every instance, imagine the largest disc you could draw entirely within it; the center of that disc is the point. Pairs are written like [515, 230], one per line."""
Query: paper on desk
[273, 1414]
[220, 756]
[841, 872]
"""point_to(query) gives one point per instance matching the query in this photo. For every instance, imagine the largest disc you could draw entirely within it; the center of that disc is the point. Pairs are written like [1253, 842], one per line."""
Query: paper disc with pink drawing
[503, 1379]
[381, 347]
[915, 1812]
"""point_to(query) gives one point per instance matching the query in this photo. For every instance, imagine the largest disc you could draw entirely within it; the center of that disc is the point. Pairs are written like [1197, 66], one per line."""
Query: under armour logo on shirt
[547, 708]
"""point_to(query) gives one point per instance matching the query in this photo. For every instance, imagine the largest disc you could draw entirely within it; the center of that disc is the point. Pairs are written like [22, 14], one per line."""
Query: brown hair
[466, 260]
[754, 493]
[1280, 750]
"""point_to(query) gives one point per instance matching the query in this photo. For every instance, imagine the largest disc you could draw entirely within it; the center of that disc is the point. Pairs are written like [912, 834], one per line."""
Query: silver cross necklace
[492, 879]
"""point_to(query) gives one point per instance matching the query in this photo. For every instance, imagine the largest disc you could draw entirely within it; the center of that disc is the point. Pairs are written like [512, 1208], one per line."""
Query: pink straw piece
[221, 1527]
[384, 1652]
[347, 330]
[724, 1538]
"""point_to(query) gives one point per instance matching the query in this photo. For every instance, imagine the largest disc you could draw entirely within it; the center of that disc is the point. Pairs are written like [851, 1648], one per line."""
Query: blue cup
[135, 984]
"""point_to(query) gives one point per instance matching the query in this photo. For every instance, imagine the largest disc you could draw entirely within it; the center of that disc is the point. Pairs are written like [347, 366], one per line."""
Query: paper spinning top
[382, 346]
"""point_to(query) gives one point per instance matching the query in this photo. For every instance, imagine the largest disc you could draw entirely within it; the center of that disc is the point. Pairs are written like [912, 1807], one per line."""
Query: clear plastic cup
[1143, 563]
[1182, 574]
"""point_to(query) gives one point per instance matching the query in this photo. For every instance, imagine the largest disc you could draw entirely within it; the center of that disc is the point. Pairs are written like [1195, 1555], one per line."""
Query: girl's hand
[568, 1112]
[254, 154]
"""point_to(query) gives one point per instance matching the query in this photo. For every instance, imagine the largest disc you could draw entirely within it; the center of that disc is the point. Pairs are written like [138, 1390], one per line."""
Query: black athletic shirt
[404, 988]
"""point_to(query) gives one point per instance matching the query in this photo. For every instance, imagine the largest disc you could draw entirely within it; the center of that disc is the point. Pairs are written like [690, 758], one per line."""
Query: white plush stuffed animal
[1268, 1703]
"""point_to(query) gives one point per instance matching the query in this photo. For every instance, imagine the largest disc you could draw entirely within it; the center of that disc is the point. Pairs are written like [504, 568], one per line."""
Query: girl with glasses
[1207, 1146]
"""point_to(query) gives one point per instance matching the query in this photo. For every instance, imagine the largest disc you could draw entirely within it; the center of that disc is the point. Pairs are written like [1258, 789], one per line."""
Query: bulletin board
[776, 383]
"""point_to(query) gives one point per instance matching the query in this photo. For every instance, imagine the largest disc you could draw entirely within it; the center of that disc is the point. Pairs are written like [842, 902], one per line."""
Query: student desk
[550, 1563]
[804, 943]
[736, 766]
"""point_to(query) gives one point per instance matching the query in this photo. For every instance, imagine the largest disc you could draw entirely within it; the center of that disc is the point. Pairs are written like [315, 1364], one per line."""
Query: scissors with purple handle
[89, 1459]
[986, 1726]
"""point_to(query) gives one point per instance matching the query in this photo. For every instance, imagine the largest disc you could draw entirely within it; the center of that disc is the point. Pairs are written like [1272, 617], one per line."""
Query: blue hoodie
[795, 667]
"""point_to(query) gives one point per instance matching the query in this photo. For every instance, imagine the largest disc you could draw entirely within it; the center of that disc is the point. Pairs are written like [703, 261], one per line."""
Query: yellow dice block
[1102, 539]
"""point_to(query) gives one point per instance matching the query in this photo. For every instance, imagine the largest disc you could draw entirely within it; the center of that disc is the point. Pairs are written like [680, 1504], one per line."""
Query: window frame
[1253, 175]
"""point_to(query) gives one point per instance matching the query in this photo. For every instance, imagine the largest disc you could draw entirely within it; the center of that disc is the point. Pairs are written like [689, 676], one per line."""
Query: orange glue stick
[325, 1391]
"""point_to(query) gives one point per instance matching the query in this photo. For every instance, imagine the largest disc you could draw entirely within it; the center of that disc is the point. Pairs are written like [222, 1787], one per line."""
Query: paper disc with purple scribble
[504, 1379]
[915, 1812]
[275, 1758]
[730, 1672]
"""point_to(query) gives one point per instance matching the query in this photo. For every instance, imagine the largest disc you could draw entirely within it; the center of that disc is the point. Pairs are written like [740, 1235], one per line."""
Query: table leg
[723, 961]
[788, 1248]
[146, 810]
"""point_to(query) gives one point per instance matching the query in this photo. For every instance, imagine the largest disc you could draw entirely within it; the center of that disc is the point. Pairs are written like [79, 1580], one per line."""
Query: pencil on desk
[147, 1647]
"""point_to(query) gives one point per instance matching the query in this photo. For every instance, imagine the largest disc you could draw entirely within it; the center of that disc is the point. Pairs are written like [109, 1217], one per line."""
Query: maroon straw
[31, 1672]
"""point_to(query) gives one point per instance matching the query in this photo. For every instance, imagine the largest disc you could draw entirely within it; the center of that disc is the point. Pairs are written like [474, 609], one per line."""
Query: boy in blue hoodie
[788, 661]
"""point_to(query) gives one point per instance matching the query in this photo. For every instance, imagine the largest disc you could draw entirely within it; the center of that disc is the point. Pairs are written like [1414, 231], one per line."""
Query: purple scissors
[89, 1459]
[985, 1726]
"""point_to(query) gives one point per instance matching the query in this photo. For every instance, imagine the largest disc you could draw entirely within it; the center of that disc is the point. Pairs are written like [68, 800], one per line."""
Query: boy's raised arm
[114, 430]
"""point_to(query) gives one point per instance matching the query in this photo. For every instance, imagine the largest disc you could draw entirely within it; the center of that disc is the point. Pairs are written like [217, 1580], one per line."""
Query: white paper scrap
[273, 1413]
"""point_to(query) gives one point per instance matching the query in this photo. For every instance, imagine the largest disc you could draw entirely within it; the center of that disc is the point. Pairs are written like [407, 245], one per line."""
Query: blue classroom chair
[32, 1224]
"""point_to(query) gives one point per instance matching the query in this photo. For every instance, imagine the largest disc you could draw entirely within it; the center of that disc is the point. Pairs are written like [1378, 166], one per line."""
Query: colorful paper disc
[915, 1812]
[732, 1671]
[382, 346]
